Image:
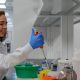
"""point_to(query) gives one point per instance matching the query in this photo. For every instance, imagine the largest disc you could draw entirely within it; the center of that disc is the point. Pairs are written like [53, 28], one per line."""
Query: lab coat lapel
[3, 48]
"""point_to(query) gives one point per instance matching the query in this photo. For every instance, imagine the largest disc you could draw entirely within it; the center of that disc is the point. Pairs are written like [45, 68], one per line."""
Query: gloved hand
[36, 41]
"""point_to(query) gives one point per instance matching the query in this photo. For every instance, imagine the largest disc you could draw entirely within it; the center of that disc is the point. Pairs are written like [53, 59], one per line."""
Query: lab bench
[28, 79]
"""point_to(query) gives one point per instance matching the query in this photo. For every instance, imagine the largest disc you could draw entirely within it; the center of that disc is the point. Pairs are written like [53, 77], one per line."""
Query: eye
[1, 24]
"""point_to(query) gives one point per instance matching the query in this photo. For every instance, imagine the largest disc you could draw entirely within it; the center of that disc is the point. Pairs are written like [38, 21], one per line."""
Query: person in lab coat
[10, 60]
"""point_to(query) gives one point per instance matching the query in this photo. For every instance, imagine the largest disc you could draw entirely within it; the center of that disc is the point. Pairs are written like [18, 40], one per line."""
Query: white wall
[77, 36]
[54, 45]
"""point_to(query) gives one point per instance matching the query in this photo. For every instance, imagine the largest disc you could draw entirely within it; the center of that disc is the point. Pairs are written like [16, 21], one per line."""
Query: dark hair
[2, 13]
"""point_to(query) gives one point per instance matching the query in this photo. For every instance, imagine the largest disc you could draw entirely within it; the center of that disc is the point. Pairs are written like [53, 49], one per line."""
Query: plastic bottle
[44, 65]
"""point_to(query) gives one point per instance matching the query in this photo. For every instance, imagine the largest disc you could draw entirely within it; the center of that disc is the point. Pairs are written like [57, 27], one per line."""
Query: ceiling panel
[51, 12]
[47, 21]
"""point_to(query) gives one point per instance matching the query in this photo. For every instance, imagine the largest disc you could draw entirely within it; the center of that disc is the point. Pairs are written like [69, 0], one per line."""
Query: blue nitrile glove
[36, 41]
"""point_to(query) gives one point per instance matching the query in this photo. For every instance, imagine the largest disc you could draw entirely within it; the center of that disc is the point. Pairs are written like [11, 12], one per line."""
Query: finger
[33, 31]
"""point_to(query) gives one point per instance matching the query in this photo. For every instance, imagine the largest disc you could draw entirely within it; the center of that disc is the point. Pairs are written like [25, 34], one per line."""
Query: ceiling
[9, 5]
[52, 10]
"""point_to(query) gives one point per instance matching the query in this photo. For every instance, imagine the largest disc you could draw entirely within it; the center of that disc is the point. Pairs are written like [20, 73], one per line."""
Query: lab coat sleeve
[16, 57]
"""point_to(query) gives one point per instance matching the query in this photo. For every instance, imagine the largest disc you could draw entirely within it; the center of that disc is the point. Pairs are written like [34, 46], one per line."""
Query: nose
[0, 28]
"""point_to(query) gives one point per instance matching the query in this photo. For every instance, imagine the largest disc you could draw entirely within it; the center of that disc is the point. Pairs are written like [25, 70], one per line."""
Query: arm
[16, 57]
[21, 54]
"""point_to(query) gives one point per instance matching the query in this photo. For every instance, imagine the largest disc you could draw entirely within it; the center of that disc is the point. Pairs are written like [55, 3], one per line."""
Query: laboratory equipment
[44, 73]
[67, 73]
[44, 65]
[27, 71]
[53, 73]
[53, 67]
[45, 61]
[63, 63]
[54, 64]
[76, 63]
[42, 48]
[36, 41]
[49, 78]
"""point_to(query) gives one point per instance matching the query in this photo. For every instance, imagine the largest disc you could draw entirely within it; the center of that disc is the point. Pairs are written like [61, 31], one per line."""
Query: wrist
[26, 49]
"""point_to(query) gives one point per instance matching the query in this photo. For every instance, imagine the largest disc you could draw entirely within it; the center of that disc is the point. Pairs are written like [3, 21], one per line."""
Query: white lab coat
[3, 48]
[9, 60]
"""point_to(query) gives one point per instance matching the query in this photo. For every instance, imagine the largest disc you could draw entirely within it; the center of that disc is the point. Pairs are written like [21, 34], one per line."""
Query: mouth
[2, 34]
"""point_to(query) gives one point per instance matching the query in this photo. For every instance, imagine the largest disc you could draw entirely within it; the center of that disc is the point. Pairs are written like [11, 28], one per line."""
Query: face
[3, 26]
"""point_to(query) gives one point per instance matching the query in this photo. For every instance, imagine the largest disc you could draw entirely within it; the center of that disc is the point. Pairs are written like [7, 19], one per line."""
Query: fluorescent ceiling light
[2, 6]
[2, 1]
